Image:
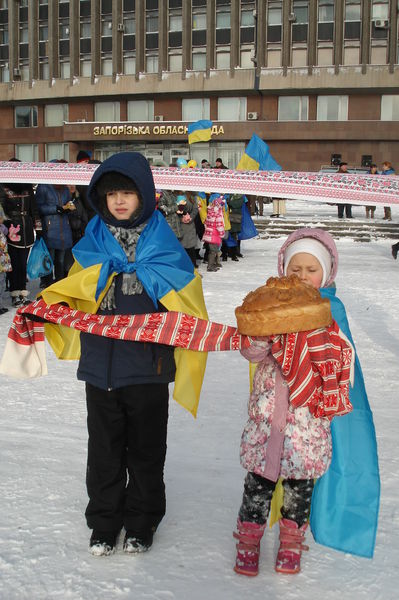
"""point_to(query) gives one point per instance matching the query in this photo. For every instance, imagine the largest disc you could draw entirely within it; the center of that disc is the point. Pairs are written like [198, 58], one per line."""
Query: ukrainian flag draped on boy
[161, 264]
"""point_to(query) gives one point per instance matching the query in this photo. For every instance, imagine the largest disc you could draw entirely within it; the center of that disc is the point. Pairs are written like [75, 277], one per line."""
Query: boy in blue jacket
[127, 382]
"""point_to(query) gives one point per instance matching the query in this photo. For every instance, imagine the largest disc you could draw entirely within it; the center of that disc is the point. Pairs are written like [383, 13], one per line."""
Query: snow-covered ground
[43, 535]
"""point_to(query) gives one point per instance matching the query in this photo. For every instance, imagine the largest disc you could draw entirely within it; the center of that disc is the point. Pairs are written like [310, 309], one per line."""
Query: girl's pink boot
[291, 545]
[248, 536]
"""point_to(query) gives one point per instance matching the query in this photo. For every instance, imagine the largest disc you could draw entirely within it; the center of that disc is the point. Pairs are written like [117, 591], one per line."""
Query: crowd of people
[207, 225]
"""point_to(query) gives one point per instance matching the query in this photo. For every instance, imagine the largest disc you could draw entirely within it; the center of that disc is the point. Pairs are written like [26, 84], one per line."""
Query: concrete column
[162, 38]
[33, 32]
[187, 37]
[210, 36]
[393, 34]
[95, 17]
[117, 38]
[286, 45]
[338, 35]
[260, 38]
[53, 41]
[365, 40]
[13, 36]
[234, 36]
[140, 36]
[312, 35]
[74, 39]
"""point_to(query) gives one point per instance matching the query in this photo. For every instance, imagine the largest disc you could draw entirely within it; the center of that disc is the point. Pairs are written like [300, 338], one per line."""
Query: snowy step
[359, 230]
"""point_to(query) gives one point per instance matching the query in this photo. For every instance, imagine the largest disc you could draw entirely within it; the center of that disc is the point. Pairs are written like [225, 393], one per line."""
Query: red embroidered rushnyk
[316, 365]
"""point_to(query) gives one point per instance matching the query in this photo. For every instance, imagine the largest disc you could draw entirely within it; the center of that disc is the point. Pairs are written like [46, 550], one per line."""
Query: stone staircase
[359, 230]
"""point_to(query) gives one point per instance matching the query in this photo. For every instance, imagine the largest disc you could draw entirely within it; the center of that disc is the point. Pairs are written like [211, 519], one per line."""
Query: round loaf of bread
[283, 305]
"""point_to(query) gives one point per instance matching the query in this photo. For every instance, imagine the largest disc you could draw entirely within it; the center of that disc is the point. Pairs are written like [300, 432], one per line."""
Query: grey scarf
[127, 239]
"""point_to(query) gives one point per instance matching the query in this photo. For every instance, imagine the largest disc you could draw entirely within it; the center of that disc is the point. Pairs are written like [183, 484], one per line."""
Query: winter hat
[82, 156]
[313, 247]
[113, 182]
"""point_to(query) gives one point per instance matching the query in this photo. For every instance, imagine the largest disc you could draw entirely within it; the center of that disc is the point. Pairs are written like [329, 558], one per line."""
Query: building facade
[317, 79]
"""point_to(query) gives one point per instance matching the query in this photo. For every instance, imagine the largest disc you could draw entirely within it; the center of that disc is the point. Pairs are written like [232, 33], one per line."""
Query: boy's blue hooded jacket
[108, 363]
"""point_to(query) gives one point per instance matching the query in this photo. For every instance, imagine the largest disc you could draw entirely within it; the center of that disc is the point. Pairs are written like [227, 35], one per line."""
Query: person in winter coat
[54, 205]
[142, 264]
[5, 262]
[19, 205]
[187, 210]
[387, 169]
[168, 207]
[214, 231]
[370, 210]
[235, 204]
[283, 438]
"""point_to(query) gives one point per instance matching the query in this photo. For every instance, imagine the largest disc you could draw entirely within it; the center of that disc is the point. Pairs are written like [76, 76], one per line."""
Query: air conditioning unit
[121, 27]
[158, 118]
[381, 24]
[292, 17]
[252, 116]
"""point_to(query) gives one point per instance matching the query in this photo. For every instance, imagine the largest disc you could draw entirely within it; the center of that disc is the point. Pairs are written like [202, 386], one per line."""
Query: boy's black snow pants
[126, 455]
[258, 493]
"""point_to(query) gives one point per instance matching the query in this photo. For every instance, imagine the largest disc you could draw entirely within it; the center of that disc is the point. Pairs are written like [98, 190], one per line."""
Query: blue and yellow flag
[257, 157]
[167, 275]
[200, 131]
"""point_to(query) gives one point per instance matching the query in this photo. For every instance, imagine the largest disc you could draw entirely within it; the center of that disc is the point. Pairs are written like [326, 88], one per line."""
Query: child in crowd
[5, 262]
[214, 231]
[187, 209]
[140, 267]
[284, 439]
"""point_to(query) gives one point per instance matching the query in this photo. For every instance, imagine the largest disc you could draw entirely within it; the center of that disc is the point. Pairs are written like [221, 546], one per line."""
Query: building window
[4, 72]
[65, 69]
[274, 22]
[300, 25]
[332, 108]
[129, 65]
[175, 62]
[106, 66]
[223, 57]
[55, 115]
[195, 108]
[293, 108]
[325, 28]
[352, 20]
[380, 19]
[56, 152]
[151, 63]
[26, 152]
[232, 109]
[199, 61]
[247, 24]
[140, 110]
[26, 116]
[390, 107]
[107, 112]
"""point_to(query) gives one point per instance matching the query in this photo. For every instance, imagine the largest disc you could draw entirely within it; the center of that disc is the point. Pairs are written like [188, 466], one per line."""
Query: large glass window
[26, 116]
[274, 22]
[300, 25]
[195, 108]
[380, 19]
[107, 111]
[293, 108]
[55, 151]
[140, 110]
[352, 20]
[232, 109]
[199, 61]
[26, 152]
[332, 108]
[390, 107]
[55, 115]
[325, 29]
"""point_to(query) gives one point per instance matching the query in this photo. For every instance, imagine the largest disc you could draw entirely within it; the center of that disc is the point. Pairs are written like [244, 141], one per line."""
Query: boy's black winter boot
[135, 544]
[102, 543]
